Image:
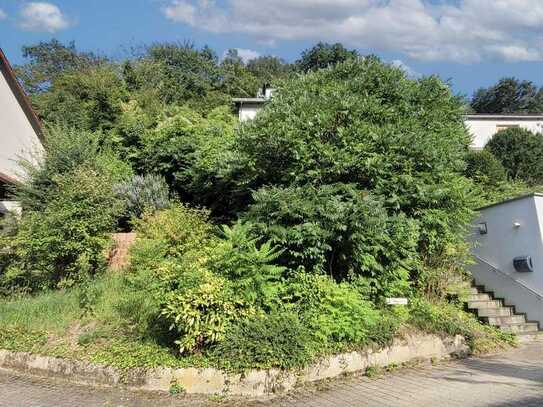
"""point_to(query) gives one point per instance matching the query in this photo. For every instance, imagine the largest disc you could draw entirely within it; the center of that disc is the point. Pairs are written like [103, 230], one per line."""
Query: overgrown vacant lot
[63, 323]
[260, 244]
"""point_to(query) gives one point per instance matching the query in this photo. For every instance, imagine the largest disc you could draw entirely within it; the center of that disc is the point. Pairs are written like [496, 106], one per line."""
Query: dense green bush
[192, 152]
[484, 168]
[336, 314]
[364, 123]
[69, 209]
[248, 265]
[490, 178]
[199, 282]
[521, 153]
[266, 341]
[338, 230]
[172, 232]
[66, 240]
[66, 149]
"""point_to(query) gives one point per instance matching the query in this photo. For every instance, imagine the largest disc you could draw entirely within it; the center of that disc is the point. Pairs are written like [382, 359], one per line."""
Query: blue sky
[472, 43]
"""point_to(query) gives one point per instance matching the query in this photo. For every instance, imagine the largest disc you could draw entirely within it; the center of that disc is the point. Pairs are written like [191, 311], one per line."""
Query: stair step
[479, 297]
[521, 328]
[495, 312]
[473, 290]
[505, 320]
[485, 304]
[525, 337]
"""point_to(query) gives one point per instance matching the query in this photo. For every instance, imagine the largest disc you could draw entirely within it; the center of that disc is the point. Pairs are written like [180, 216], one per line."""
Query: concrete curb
[252, 383]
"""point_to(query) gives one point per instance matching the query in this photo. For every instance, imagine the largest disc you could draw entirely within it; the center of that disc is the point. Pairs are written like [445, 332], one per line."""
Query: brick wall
[118, 257]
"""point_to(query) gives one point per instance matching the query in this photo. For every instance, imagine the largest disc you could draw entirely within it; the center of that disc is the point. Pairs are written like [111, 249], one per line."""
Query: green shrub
[484, 168]
[170, 232]
[448, 318]
[365, 123]
[66, 149]
[521, 153]
[66, 240]
[201, 309]
[338, 230]
[144, 193]
[192, 153]
[336, 314]
[248, 265]
[171, 246]
[265, 341]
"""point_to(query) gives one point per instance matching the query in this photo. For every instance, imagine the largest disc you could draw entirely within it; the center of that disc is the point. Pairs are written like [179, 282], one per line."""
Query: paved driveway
[511, 379]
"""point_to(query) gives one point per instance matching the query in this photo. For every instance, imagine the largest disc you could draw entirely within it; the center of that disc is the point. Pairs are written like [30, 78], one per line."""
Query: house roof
[7, 179]
[249, 100]
[20, 95]
[508, 116]
[517, 198]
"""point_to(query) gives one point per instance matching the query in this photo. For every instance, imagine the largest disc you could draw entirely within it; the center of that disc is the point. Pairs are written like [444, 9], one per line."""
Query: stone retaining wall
[252, 383]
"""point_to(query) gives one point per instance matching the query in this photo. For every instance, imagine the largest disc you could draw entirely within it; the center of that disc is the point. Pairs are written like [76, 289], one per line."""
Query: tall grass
[56, 311]
[52, 311]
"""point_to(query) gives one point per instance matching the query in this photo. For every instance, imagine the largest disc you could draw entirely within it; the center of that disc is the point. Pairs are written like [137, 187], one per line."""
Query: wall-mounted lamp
[523, 264]
[516, 224]
[482, 228]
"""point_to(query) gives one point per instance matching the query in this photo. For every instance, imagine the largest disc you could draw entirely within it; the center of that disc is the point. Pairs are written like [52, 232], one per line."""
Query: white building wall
[17, 137]
[482, 130]
[248, 111]
[514, 229]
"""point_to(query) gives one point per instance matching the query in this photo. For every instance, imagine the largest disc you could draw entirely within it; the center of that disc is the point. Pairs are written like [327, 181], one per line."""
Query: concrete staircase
[494, 311]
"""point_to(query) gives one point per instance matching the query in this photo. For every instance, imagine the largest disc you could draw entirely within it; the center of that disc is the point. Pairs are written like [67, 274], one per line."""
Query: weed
[176, 388]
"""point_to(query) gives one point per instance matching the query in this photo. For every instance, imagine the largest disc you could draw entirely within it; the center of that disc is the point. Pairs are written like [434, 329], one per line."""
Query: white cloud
[406, 68]
[454, 30]
[3, 14]
[247, 54]
[41, 16]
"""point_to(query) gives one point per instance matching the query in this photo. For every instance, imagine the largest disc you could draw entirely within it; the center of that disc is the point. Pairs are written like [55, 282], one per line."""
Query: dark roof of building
[20, 95]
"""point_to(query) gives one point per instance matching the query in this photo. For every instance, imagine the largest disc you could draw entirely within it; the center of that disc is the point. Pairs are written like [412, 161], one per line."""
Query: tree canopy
[323, 55]
[509, 95]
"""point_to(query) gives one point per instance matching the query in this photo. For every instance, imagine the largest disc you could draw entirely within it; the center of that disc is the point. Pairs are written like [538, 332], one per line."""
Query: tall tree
[509, 95]
[236, 79]
[323, 55]
[48, 60]
[268, 68]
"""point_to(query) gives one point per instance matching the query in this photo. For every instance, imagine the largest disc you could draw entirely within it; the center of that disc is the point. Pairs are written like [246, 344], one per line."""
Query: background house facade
[483, 126]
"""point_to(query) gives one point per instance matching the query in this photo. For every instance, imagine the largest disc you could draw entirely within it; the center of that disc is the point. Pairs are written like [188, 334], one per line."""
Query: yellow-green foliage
[173, 232]
[201, 310]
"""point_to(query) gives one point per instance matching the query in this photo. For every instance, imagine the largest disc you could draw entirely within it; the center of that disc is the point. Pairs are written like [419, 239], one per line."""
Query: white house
[21, 134]
[508, 248]
[481, 126]
[484, 126]
[247, 108]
